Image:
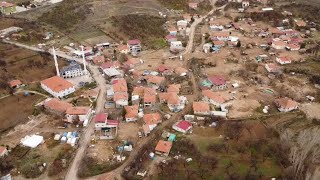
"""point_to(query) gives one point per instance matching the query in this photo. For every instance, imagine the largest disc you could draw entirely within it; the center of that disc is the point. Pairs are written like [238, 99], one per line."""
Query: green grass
[203, 143]
[159, 43]
[86, 33]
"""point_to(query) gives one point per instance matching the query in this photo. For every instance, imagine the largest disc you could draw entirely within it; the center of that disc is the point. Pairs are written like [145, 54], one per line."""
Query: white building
[182, 126]
[286, 104]
[134, 46]
[83, 114]
[283, 60]
[176, 45]
[72, 70]
[57, 86]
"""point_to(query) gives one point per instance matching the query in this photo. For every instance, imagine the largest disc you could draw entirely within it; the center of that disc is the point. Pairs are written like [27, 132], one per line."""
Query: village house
[3, 151]
[56, 106]
[121, 99]
[221, 36]
[201, 108]
[175, 103]
[15, 84]
[131, 113]
[98, 60]
[172, 31]
[286, 104]
[214, 98]
[278, 44]
[300, 23]
[132, 62]
[283, 60]
[170, 38]
[155, 81]
[112, 72]
[110, 64]
[215, 27]
[83, 114]
[57, 86]
[182, 126]
[182, 25]
[174, 88]
[123, 49]
[176, 45]
[164, 70]
[134, 46]
[292, 47]
[272, 68]
[106, 129]
[218, 44]
[152, 120]
[163, 147]
[7, 8]
[120, 92]
[72, 70]
[149, 100]
[291, 32]
[218, 82]
[139, 92]
[193, 5]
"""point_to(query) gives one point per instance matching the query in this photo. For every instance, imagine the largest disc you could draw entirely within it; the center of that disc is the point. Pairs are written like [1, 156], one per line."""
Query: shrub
[143, 27]
[66, 14]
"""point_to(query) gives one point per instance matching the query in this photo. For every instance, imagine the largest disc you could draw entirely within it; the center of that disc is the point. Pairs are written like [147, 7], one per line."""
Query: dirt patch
[243, 108]
[101, 146]
[15, 110]
[311, 110]
[128, 131]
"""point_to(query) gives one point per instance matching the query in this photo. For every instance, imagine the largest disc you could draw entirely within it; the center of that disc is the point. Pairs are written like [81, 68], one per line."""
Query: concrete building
[57, 86]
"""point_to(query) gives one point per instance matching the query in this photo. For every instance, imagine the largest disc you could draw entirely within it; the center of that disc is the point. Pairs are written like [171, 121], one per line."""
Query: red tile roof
[217, 80]
[216, 96]
[120, 85]
[185, 125]
[164, 146]
[286, 103]
[77, 110]
[162, 68]
[120, 96]
[14, 83]
[200, 107]
[101, 118]
[153, 118]
[174, 88]
[2, 149]
[131, 111]
[148, 98]
[98, 59]
[155, 79]
[134, 42]
[57, 105]
[57, 84]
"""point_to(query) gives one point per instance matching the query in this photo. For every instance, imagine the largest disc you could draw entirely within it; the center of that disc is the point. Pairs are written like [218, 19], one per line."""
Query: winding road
[86, 136]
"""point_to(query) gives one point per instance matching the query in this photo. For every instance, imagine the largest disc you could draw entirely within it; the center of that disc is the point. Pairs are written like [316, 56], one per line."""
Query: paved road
[86, 136]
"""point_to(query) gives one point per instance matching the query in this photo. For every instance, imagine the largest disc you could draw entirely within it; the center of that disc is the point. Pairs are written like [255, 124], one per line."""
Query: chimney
[55, 61]
[84, 61]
